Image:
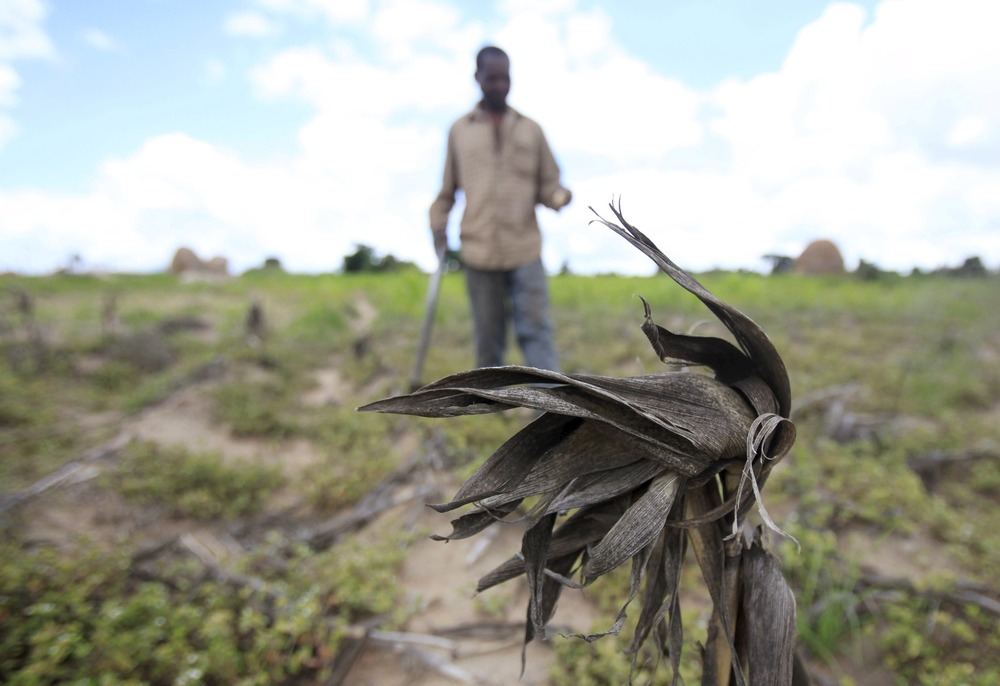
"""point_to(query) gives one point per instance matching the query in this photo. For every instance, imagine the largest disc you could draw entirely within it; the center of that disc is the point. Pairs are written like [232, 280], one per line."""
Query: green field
[892, 487]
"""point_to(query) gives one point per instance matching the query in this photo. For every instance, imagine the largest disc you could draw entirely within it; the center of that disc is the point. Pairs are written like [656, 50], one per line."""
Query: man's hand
[561, 198]
[440, 241]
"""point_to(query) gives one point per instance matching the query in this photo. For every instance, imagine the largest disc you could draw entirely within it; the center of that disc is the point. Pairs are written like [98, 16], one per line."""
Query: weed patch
[358, 454]
[919, 349]
[196, 485]
[80, 619]
[255, 409]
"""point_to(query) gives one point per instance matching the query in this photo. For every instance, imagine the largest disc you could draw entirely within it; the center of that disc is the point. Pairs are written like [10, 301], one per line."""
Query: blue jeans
[522, 294]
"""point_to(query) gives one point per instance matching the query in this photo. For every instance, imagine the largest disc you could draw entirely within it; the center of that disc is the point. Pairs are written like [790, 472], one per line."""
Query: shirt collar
[479, 114]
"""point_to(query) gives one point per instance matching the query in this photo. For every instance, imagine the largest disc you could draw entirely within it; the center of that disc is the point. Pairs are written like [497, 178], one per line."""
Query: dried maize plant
[639, 469]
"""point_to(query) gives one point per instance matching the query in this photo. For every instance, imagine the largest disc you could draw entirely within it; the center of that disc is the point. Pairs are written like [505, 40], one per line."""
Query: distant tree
[270, 267]
[364, 259]
[387, 264]
[973, 266]
[869, 271]
[360, 261]
[780, 264]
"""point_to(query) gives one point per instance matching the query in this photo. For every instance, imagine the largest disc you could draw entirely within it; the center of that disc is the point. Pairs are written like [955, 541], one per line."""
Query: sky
[299, 129]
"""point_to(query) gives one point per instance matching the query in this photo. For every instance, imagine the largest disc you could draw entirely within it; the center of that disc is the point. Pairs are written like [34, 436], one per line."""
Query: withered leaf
[640, 469]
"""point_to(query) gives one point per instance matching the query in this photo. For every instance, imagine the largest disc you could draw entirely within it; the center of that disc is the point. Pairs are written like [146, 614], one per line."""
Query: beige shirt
[503, 173]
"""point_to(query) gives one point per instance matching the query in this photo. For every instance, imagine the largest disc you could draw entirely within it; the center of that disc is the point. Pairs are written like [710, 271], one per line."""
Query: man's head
[493, 76]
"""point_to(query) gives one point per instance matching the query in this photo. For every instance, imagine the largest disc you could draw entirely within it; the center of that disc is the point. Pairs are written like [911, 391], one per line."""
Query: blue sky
[298, 129]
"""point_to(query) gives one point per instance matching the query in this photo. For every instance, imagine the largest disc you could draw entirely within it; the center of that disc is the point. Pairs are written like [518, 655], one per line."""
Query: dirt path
[482, 636]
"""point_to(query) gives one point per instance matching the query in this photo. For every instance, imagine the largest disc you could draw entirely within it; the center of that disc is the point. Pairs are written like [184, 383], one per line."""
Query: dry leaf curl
[638, 469]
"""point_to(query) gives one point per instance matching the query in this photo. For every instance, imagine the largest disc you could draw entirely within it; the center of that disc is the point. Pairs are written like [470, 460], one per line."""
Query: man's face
[494, 79]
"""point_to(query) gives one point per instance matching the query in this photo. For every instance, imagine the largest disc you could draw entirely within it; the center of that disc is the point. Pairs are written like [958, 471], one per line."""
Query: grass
[196, 485]
[357, 453]
[921, 352]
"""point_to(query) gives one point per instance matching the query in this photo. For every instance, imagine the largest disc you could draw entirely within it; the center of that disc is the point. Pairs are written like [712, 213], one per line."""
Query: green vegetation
[364, 259]
[254, 409]
[925, 643]
[85, 619]
[887, 372]
[357, 452]
[199, 486]
[606, 663]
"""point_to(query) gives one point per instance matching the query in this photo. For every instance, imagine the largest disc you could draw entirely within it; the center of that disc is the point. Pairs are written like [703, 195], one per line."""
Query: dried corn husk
[639, 469]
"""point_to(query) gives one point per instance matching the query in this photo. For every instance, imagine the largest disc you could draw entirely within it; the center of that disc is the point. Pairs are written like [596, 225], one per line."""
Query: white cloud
[9, 83]
[21, 37]
[881, 132]
[215, 71]
[99, 40]
[253, 24]
[352, 83]
[849, 139]
[336, 12]
[179, 191]
[589, 94]
[8, 129]
[812, 117]
[410, 29]
[21, 32]
[967, 131]
[555, 8]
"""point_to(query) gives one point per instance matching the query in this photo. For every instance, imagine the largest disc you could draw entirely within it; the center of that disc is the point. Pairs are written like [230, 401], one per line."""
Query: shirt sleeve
[550, 190]
[445, 199]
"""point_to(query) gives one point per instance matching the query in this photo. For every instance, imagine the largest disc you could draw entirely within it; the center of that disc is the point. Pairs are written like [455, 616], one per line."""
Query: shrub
[84, 619]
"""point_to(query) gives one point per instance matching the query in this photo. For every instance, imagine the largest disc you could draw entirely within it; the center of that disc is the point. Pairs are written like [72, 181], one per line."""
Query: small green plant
[196, 485]
[928, 643]
[600, 663]
[824, 588]
[33, 437]
[318, 322]
[358, 454]
[80, 618]
[356, 578]
[145, 351]
[114, 376]
[362, 577]
[607, 662]
[255, 409]
[494, 603]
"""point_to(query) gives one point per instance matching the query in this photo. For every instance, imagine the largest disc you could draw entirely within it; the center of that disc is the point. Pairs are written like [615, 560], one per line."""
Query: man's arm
[445, 200]
[551, 192]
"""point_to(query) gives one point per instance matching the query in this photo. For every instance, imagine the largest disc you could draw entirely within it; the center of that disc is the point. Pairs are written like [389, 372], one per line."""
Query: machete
[425, 329]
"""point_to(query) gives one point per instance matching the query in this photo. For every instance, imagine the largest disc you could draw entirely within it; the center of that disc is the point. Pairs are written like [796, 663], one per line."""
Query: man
[501, 161]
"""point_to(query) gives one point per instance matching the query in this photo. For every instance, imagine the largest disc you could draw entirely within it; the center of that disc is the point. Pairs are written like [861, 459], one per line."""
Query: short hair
[489, 51]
